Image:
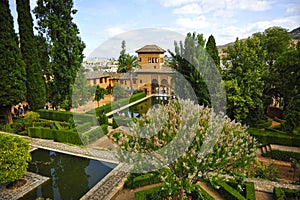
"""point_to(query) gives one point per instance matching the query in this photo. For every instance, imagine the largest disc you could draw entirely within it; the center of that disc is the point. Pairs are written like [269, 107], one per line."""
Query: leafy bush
[14, 158]
[282, 155]
[268, 172]
[102, 119]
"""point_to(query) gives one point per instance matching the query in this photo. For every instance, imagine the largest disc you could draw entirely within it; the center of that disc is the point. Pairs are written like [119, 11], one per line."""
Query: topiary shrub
[14, 158]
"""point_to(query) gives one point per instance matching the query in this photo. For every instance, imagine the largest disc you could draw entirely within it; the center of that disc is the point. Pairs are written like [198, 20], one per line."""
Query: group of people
[20, 110]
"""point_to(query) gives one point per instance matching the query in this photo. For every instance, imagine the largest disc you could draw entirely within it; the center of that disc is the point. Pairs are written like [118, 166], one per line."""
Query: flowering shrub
[187, 142]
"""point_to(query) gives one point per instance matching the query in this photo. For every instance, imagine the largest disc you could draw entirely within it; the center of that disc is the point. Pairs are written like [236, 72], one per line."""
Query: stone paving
[108, 187]
[33, 181]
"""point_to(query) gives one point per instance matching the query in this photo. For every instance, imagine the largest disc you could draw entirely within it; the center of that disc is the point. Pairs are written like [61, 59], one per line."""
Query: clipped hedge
[152, 193]
[115, 104]
[158, 193]
[94, 134]
[282, 155]
[65, 116]
[55, 115]
[57, 135]
[228, 192]
[264, 124]
[81, 128]
[285, 193]
[271, 137]
[121, 121]
[142, 180]
[250, 191]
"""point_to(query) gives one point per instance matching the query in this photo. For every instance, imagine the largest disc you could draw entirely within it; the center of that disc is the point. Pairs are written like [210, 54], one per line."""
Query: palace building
[151, 76]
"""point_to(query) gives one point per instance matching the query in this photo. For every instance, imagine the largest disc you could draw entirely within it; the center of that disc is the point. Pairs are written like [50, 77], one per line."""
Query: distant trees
[12, 67]
[14, 157]
[36, 92]
[131, 63]
[55, 20]
[82, 89]
[212, 50]
[118, 91]
[122, 58]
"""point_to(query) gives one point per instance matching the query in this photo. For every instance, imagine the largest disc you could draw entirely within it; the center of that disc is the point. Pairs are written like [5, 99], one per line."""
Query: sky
[101, 20]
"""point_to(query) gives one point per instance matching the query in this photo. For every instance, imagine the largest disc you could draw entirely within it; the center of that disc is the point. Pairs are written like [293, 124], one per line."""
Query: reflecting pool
[70, 176]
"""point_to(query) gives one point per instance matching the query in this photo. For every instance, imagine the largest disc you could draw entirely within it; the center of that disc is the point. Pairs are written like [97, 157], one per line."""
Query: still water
[142, 107]
[70, 176]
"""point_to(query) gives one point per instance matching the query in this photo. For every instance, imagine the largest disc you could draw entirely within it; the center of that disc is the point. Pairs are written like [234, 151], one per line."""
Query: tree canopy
[242, 75]
[12, 67]
[55, 20]
[187, 143]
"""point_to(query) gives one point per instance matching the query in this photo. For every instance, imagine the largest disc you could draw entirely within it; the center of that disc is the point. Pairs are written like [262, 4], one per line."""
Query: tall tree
[36, 92]
[122, 58]
[212, 50]
[275, 41]
[131, 63]
[82, 89]
[12, 67]
[287, 83]
[244, 65]
[43, 55]
[195, 65]
[55, 19]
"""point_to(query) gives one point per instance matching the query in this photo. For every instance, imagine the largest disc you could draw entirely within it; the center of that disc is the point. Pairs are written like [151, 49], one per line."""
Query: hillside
[295, 34]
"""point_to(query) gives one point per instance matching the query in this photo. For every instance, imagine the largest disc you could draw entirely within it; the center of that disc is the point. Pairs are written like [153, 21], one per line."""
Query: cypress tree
[212, 50]
[36, 93]
[12, 67]
[65, 46]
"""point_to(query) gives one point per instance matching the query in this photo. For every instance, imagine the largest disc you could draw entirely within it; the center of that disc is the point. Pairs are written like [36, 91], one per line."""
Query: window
[121, 81]
[161, 60]
[156, 60]
[149, 60]
[140, 59]
[141, 81]
[152, 60]
[125, 82]
[95, 81]
[134, 81]
[101, 80]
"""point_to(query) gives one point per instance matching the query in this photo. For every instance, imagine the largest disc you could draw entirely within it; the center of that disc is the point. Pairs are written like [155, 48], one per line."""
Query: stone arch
[154, 85]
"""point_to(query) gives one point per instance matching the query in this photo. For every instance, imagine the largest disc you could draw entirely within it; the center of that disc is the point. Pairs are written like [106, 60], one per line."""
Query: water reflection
[70, 176]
